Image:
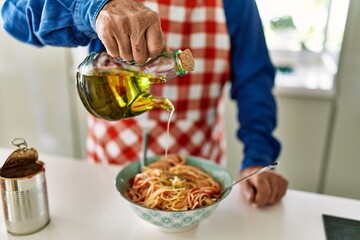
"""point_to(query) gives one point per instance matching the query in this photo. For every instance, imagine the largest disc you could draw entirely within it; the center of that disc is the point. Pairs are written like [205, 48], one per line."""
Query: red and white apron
[197, 126]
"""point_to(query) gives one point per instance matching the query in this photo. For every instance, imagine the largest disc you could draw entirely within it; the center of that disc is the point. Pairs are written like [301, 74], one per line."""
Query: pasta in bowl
[174, 193]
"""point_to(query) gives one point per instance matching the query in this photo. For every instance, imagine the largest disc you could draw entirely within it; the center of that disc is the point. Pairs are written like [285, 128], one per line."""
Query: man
[227, 41]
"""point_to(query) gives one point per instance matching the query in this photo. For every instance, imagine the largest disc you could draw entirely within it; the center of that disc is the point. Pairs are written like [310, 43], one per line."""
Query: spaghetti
[170, 184]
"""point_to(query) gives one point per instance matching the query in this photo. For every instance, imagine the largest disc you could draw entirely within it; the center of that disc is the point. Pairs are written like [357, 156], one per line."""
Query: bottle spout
[147, 102]
[164, 103]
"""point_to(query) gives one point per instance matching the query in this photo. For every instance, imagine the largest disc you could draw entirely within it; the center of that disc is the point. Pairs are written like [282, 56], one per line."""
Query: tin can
[25, 203]
[23, 191]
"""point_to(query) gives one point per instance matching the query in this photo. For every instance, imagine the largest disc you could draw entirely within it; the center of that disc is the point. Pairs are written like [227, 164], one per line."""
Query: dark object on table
[338, 228]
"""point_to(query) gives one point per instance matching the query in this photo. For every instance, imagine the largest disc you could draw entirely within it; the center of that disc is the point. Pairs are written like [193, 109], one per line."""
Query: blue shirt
[70, 23]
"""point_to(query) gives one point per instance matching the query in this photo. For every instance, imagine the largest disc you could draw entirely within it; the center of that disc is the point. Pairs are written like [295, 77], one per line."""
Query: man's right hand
[130, 31]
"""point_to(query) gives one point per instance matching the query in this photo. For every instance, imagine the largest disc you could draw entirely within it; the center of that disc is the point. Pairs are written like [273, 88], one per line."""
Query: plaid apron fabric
[197, 126]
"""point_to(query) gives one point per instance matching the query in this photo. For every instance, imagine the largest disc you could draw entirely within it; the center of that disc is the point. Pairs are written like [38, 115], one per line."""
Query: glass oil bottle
[113, 89]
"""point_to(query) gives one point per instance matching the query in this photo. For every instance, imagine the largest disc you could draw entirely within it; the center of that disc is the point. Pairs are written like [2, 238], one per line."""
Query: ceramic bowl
[174, 221]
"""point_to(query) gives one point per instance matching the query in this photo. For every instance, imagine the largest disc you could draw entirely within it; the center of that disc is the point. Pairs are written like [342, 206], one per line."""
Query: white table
[84, 204]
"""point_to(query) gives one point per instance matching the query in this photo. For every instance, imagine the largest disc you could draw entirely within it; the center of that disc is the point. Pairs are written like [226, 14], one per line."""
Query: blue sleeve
[252, 79]
[67, 23]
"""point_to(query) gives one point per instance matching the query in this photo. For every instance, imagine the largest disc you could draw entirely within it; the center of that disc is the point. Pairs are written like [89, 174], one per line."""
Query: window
[310, 25]
[304, 38]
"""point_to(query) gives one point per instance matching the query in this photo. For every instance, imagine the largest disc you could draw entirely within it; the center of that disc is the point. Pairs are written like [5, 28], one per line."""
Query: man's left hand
[264, 189]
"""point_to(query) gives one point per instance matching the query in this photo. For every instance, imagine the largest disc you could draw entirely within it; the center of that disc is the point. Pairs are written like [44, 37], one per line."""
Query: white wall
[36, 97]
[342, 169]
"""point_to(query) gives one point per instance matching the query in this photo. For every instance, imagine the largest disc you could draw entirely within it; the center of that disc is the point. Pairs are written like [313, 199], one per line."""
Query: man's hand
[130, 31]
[264, 189]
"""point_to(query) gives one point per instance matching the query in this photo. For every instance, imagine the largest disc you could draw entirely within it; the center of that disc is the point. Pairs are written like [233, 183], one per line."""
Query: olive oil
[113, 96]
[112, 89]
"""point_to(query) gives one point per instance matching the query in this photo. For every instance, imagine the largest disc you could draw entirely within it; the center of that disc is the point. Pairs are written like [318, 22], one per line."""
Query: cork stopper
[187, 60]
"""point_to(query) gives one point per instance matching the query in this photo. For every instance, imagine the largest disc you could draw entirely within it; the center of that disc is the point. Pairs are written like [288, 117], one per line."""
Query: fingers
[273, 195]
[263, 191]
[123, 42]
[268, 187]
[130, 31]
[105, 33]
[248, 191]
[139, 49]
[155, 40]
[283, 186]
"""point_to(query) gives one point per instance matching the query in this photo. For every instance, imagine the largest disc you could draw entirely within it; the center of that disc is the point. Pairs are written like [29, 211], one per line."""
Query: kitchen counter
[84, 204]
